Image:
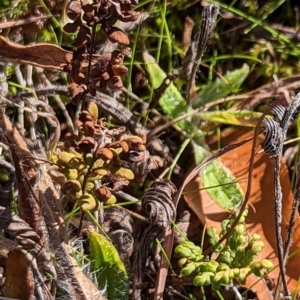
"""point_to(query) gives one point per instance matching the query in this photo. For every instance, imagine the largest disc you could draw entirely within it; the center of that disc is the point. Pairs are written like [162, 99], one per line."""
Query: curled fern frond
[279, 111]
[157, 202]
[273, 138]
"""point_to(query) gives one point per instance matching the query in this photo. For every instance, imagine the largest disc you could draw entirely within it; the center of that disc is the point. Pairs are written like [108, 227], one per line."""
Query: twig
[57, 98]
[278, 218]
[275, 136]
[187, 33]
[195, 52]
[192, 59]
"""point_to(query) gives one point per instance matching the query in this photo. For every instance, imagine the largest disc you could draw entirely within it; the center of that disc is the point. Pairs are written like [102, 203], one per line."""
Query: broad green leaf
[171, 101]
[237, 117]
[109, 269]
[227, 196]
[221, 185]
[222, 87]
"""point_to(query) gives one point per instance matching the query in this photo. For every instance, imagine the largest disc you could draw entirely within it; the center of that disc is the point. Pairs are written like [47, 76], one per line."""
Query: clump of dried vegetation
[110, 110]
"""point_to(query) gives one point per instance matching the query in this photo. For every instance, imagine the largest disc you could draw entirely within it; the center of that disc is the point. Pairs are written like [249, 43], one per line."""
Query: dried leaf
[72, 27]
[19, 282]
[74, 7]
[89, 129]
[103, 192]
[76, 92]
[21, 22]
[115, 82]
[29, 209]
[119, 70]
[116, 35]
[85, 116]
[87, 145]
[46, 56]
[105, 154]
[72, 188]
[131, 16]
[57, 177]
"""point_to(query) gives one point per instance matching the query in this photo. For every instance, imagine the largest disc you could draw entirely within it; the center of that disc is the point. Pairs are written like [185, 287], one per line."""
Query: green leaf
[109, 269]
[171, 101]
[188, 269]
[237, 117]
[203, 279]
[228, 196]
[221, 185]
[222, 87]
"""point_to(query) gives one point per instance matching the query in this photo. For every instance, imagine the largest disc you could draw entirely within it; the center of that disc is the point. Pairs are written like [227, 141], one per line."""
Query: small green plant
[236, 258]
[91, 162]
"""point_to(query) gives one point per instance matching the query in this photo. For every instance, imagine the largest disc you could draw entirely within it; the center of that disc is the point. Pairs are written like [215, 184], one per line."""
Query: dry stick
[53, 137]
[278, 218]
[3, 79]
[187, 33]
[106, 103]
[83, 96]
[192, 59]
[57, 98]
[29, 83]
[293, 212]
[22, 82]
[293, 215]
[20, 22]
[81, 106]
[209, 17]
[282, 254]
[99, 145]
